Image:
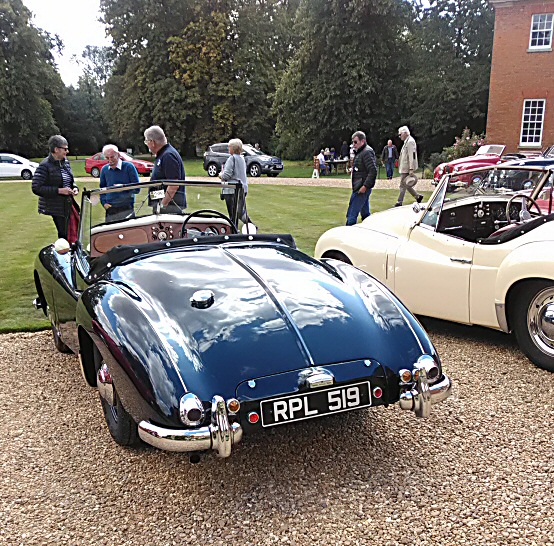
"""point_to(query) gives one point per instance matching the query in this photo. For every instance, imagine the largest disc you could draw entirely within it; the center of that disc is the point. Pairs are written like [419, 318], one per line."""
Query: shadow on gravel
[463, 332]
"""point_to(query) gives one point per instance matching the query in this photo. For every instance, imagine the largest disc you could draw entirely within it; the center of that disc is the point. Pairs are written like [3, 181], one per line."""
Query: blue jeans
[389, 164]
[359, 204]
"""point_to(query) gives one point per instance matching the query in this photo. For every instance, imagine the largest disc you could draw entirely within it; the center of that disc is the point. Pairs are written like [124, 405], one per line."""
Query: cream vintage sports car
[482, 254]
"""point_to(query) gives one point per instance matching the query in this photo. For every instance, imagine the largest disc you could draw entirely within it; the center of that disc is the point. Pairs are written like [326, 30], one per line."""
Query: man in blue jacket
[118, 205]
[364, 173]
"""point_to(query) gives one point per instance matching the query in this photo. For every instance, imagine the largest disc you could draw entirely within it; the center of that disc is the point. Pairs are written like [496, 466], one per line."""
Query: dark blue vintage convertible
[195, 333]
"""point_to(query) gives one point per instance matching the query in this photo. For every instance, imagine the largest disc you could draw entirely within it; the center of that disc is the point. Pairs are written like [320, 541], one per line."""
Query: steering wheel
[207, 213]
[523, 196]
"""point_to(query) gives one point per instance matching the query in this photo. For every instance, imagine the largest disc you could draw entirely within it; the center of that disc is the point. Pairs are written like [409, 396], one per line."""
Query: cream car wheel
[533, 320]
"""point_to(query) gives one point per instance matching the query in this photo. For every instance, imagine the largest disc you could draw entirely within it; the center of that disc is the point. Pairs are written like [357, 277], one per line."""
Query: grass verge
[304, 211]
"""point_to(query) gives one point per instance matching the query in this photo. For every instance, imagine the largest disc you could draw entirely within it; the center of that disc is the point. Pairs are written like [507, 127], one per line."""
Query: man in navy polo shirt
[168, 165]
[118, 205]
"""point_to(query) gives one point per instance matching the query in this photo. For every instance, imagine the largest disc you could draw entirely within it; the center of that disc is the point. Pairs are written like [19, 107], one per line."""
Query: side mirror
[249, 229]
[61, 246]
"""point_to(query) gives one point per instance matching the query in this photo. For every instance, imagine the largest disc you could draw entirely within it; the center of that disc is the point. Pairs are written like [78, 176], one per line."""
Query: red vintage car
[487, 155]
[94, 164]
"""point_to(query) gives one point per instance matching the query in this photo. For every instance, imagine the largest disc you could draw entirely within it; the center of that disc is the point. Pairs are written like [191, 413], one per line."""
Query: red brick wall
[517, 74]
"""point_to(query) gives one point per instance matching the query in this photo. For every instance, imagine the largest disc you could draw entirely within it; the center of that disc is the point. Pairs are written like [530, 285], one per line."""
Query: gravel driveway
[477, 472]
[423, 184]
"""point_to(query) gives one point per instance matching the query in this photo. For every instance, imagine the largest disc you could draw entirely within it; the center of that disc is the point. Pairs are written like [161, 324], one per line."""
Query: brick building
[521, 98]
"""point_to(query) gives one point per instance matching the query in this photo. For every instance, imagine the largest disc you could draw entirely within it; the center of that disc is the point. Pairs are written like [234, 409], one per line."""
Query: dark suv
[257, 163]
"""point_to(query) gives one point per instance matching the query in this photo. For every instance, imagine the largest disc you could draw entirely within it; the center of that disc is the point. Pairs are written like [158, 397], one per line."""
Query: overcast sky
[76, 23]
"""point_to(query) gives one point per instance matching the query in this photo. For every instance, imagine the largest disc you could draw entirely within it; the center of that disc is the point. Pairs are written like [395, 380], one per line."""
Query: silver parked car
[257, 162]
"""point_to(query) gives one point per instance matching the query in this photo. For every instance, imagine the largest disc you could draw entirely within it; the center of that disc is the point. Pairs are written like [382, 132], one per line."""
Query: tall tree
[143, 89]
[451, 55]
[203, 69]
[229, 59]
[345, 74]
[96, 63]
[81, 114]
[29, 81]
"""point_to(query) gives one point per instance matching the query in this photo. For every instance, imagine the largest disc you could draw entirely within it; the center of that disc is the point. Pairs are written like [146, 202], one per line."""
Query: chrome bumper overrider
[219, 435]
[420, 398]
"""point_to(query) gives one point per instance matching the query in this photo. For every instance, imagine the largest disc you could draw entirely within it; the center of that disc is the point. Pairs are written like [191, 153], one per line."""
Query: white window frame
[544, 27]
[532, 121]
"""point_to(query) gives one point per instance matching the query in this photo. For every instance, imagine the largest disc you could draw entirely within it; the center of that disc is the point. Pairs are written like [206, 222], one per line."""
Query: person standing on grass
[389, 155]
[235, 171]
[407, 165]
[118, 205]
[364, 174]
[344, 150]
[168, 165]
[54, 184]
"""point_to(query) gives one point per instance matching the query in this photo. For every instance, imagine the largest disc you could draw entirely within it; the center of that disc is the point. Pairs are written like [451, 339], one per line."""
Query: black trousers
[61, 226]
[229, 199]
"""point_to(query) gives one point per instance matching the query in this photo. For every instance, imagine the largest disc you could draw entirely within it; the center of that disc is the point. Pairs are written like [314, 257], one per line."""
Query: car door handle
[461, 260]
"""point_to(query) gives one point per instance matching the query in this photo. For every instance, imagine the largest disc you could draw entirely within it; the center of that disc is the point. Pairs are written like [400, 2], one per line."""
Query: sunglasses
[64, 148]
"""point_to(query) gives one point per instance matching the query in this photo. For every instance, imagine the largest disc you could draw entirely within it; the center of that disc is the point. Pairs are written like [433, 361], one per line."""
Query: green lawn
[305, 211]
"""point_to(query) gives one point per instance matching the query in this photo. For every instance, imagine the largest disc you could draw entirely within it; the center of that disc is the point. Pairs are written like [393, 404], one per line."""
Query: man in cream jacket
[407, 165]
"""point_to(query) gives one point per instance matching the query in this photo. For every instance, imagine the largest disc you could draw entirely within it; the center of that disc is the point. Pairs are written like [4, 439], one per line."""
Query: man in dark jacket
[168, 165]
[54, 184]
[389, 155]
[364, 173]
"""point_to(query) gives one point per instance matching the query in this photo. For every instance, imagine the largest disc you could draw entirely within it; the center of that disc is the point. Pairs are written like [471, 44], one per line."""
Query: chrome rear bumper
[219, 435]
[422, 396]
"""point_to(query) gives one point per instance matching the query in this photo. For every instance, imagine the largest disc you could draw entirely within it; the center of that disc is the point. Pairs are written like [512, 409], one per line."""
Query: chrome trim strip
[287, 317]
[420, 398]
[220, 435]
[501, 317]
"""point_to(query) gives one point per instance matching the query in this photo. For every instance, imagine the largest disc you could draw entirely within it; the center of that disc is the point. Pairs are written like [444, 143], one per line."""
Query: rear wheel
[212, 169]
[26, 174]
[532, 316]
[58, 343]
[121, 425]
[95, 171]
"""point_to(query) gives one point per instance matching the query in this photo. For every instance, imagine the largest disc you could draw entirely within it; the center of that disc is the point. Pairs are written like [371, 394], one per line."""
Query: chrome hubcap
[540, 320]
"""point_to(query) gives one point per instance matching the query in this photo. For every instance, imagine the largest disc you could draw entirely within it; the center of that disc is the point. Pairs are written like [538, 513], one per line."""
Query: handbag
[228, 191]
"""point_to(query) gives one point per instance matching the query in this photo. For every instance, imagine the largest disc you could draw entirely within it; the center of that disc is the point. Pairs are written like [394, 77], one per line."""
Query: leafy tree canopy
[451, 55]
[345, 74]
[203, 70]
[29, 81]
